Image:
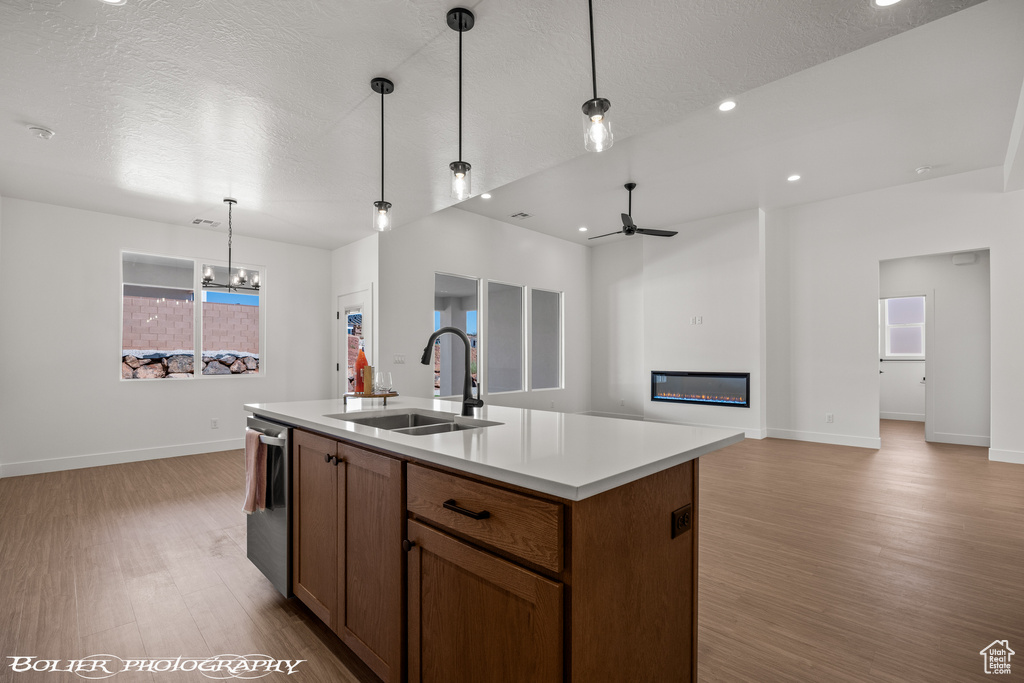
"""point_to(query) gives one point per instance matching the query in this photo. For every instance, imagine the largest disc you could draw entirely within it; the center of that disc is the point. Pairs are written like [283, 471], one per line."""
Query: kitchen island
[518, 545]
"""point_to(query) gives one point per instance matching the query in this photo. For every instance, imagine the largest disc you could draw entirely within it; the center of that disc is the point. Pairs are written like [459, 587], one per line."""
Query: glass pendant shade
[597, 128]
[462, 175]
[382, 216]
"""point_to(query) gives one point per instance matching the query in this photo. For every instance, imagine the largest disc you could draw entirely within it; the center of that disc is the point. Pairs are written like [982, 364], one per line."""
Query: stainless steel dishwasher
[269, 533]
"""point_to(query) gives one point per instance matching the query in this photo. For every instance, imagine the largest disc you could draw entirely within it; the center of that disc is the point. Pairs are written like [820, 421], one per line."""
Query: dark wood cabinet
[347, 546]
[315, 524]
[497, 583]
[476, 618]
[369, 577]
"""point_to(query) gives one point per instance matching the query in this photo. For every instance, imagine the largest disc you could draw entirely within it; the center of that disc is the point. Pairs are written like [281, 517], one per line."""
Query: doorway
[934, 346]
[355, 332]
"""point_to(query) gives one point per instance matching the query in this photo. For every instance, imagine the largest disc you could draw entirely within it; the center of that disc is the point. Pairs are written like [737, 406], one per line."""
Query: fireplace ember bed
[704, 388]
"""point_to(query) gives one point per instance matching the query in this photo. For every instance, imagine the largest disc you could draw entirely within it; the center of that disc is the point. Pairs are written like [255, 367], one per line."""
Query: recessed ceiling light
[113, 2]
[583, 229]
[921, 170]
[41, 133]
[883, 3]
[793, 178]
[485, 195]
[728, 105]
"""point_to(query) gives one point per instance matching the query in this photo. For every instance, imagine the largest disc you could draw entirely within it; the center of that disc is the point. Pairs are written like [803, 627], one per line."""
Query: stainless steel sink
[438, 429]
[415, 423]
[398, 421]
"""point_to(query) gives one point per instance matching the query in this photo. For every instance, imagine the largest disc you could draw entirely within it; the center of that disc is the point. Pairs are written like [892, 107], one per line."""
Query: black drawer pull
[327, 457]
[450, 504]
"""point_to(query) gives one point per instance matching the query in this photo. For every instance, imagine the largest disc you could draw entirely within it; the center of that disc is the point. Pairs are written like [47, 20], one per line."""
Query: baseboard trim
[962, 439]
[998, 455]
[77, 462]
[618, 416]
[906, 417]
[820, 437]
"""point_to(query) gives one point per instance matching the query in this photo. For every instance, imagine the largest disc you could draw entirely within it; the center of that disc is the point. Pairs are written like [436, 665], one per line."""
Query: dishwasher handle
[273, 440]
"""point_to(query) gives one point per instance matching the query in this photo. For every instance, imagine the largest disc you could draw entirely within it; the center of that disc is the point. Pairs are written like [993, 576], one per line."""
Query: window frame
[197, 312]
[561, 339]
[885, 327]
[524, 341]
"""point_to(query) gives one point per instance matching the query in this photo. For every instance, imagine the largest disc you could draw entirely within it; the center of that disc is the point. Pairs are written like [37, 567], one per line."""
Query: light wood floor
[817, 563]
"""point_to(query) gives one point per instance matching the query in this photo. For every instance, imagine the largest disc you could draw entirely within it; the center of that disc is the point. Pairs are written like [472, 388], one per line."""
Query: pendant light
[241, 279]
[461, 20]
[381, 217]
[597, 131]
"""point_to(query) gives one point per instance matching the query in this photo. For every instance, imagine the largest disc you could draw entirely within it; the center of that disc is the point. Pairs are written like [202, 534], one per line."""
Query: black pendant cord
[229, 246]
[460, 95]
[630, 205]
[593, 58]
[382, 145]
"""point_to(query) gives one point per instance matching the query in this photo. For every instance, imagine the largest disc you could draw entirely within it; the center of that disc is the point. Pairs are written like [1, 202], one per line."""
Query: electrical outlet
[682, 520]
[214, 423]
[552, 404]
[700, 320]
[622, 401]
[829, 418]
[693, 320]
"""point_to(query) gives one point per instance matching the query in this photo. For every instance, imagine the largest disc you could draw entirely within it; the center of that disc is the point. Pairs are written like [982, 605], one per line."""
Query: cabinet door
[370, 559]
[476, 618]
[315, 523]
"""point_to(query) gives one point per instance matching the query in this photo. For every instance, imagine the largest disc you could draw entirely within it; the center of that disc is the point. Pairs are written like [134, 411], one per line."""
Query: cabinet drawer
[526, 527]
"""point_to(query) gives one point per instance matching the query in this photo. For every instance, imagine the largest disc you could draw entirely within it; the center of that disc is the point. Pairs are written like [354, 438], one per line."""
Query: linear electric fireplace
[706, 388]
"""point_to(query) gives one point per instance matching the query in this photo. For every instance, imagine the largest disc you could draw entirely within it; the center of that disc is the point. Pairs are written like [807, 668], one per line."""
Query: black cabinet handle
[450, 504]
[407, 545]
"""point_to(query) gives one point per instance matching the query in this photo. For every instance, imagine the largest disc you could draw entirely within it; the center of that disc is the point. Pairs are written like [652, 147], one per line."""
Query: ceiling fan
[629, 227]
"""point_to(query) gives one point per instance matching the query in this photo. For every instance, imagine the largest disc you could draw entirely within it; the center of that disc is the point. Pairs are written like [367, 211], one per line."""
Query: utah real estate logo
[997, 657]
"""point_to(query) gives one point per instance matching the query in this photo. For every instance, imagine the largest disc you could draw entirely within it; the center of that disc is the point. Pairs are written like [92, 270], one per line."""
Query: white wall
[646, 290]
[711, 269]
[901, 391]
[354, 269]
[823, 354]
[461, 243]
[957, 344]
[617, 315]
[60, 295]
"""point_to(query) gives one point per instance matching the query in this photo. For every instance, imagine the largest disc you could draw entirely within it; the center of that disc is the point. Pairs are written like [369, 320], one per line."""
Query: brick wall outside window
[166, 325]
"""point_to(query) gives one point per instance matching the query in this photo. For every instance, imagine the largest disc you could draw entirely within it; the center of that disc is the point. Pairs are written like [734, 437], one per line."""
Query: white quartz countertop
[566, 455]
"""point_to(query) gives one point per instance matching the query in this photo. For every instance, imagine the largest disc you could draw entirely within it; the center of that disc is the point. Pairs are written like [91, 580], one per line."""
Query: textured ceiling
[943, 95]
[163, 108]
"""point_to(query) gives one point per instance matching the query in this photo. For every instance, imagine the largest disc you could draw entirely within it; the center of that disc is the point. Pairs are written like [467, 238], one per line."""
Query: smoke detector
[205, 223]
[41, 133]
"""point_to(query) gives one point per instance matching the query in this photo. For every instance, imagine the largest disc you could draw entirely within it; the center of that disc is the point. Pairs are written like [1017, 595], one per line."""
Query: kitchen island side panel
[633, 596]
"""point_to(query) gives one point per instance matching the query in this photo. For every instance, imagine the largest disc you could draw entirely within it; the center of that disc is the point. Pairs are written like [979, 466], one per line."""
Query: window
[455, 305]
[545, 339]
[231, 328]
[504, 337]
[160, 321]
[903, 327]
[157, 321]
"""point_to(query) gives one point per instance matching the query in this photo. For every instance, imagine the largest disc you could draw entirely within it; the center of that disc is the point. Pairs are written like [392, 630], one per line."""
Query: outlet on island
[214, 423]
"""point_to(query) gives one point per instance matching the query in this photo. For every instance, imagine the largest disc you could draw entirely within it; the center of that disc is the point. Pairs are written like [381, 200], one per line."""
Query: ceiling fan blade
[607, 234]
[627, 222]
[657, 233]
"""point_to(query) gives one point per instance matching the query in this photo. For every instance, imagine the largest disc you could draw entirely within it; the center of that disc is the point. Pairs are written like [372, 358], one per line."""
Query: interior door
[355, 328]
